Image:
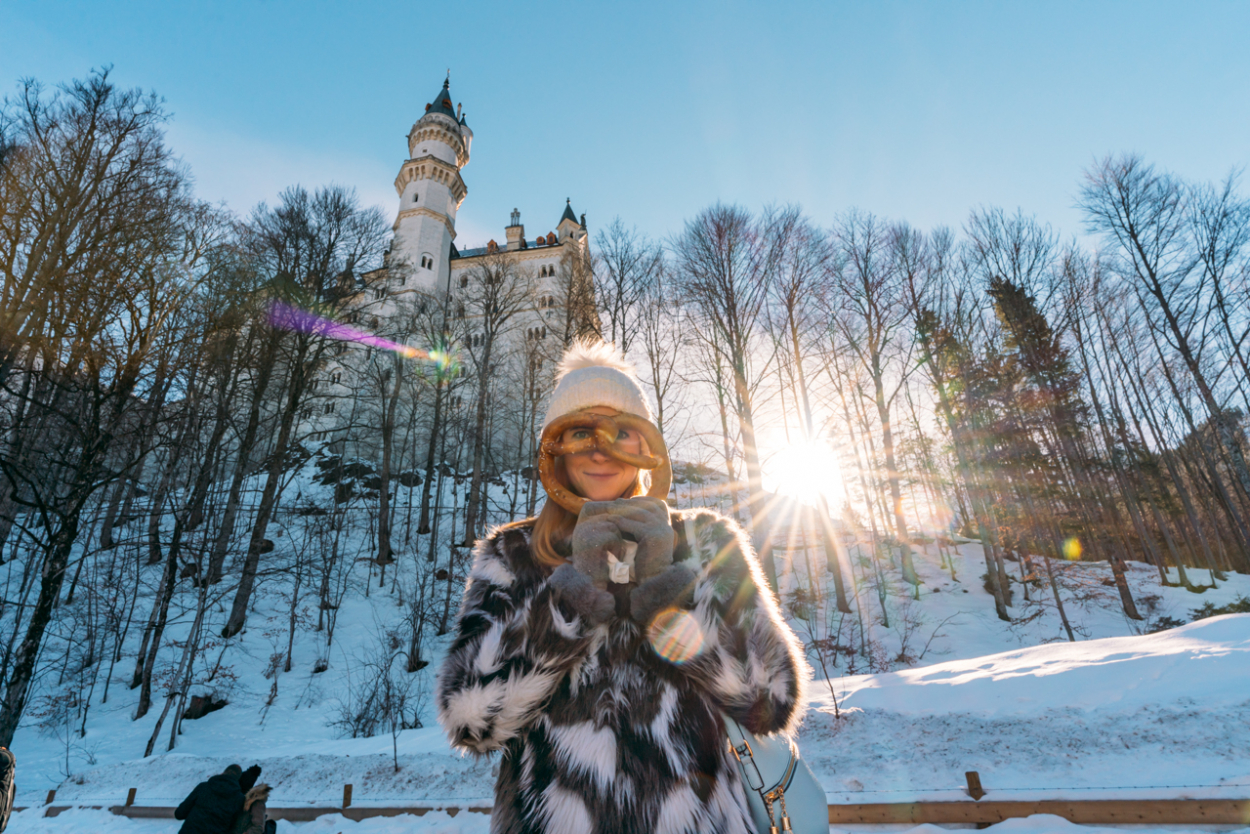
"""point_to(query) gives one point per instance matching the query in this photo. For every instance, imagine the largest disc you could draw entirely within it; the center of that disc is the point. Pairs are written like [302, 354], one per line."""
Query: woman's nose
[598, 455]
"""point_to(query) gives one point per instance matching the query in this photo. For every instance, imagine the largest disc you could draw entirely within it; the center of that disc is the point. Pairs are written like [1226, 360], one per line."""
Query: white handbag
[782, 791]
[781, 788]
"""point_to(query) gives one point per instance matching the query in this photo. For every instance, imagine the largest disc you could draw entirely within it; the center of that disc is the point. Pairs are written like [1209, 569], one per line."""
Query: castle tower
[430, 192]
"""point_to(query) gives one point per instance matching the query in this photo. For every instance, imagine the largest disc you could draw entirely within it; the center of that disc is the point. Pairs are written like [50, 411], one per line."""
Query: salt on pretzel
[605, 431]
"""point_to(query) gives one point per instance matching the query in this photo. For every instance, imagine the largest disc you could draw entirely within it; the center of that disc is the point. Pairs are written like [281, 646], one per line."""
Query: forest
[1055, 399]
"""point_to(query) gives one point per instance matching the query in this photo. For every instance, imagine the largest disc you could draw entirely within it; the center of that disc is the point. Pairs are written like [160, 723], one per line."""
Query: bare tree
[721, 267]
[626, 265]
[311, 244]
[98, 253]
[495, 294]
[872, 320]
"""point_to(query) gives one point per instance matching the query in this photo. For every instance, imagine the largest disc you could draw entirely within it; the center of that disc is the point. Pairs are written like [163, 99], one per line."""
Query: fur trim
[260, 793]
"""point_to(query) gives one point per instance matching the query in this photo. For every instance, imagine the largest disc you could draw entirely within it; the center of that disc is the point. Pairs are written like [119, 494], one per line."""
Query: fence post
[130, 797]
[51, 796]
[974, 784]
[347, 796]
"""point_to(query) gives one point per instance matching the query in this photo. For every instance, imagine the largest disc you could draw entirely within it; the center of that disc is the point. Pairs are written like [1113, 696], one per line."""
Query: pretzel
[605, 432]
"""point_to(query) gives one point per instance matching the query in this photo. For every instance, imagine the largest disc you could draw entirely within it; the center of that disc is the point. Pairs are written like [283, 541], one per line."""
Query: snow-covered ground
[102, 822]
[949, 688]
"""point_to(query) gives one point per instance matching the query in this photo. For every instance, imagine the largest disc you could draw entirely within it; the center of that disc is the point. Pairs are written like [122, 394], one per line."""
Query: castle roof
[568, 212]
[442, 102]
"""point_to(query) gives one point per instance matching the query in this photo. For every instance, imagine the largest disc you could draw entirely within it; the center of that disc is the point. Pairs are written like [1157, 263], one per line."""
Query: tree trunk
[22, 671]
[436, 429]
[479, 444]
[268, 498]
[247, 443]
[390, 403]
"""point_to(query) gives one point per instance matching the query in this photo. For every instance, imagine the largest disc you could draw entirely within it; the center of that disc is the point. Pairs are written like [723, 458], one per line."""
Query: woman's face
[595, 475]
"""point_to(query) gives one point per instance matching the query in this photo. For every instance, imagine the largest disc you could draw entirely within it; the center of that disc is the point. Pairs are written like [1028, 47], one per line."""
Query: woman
[606, 699]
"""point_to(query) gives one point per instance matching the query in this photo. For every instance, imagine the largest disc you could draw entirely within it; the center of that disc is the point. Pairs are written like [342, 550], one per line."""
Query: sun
[804, 471]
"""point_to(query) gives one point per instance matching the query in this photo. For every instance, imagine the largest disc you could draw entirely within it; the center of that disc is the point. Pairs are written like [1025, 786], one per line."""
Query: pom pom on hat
[593, 373]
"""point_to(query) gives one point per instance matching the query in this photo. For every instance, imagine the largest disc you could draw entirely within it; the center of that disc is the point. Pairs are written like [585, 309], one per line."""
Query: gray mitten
[642, 520]
[576, 588]
[595, 538]
[674, 587]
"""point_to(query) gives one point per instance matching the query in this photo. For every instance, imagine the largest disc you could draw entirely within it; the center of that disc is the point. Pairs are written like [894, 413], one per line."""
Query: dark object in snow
[320, 666]
[440, 574]
[373, 483]
[1241, 605]
[266, 546]
[1163, 624]
[213, 805]
[311, 510]
[409, 478]
[1008, 592]
[8, 785]
[249, 777]
[202, 705]
[529, 473]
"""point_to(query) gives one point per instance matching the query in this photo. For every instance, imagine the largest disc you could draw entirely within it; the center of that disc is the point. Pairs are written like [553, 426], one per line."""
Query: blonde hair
[553, 526]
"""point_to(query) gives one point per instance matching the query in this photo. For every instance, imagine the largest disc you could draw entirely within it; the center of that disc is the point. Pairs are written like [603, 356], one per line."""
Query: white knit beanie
[595, 373]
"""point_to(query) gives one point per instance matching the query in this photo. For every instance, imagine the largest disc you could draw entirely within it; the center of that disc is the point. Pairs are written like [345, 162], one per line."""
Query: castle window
[464, 281]
[340, 348]
[335, 377]
[373, 322]
[329, 409]
[460, 311]
[379, 293]
[416, 198]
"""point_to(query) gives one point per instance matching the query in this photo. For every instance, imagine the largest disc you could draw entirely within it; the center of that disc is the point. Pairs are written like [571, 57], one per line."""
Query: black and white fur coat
[598, 732]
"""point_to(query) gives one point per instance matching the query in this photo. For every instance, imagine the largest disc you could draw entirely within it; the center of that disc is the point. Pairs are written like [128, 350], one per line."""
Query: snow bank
[1161, 715]
[1207, 661]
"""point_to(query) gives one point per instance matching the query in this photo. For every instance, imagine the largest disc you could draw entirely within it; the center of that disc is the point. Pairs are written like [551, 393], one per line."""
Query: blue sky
[650, 111]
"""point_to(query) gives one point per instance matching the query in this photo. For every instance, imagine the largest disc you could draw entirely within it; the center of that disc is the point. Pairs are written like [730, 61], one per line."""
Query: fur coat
[598, 731]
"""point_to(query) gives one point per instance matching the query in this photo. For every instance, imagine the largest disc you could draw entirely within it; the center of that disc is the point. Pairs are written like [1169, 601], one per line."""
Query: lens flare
[1072, 549]
[676, 636]
[289, 317]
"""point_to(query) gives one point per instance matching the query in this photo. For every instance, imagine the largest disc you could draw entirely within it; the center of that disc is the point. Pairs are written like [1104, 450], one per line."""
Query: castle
[431, 190]
[424, 261]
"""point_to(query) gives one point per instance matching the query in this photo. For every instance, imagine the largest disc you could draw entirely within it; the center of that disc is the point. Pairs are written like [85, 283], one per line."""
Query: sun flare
[804, 471]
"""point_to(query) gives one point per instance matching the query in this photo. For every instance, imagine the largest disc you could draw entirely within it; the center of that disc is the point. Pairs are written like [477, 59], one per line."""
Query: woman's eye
[581, 434]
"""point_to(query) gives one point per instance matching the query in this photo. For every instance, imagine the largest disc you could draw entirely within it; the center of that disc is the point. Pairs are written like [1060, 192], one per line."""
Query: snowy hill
[1151, 716]
[948, 688]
